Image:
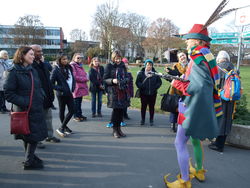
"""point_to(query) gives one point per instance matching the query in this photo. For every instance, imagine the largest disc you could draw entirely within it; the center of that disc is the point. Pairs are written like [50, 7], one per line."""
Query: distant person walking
[81, 89]
[63, 82]
[17, 90]
[148, 85]
[223, 61]
[116, 80]
[96, 86]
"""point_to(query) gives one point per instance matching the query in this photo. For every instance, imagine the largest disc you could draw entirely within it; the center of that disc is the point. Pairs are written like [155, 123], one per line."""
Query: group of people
[201, 112]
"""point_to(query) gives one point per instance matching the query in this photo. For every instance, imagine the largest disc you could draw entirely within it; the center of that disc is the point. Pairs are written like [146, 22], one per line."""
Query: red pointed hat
[198, 32]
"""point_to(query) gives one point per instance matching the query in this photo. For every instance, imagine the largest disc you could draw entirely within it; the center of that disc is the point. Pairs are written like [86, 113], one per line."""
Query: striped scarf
[202, 53]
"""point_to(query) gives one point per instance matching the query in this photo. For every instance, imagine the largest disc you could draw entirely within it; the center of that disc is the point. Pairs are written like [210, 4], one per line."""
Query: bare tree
[161, 31]
[105, 18]
[28, 30]
[138, 25]
[78, 34]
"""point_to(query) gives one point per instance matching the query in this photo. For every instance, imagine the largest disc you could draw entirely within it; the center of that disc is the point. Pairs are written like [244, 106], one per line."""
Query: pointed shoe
[199, 175]
[179, 183]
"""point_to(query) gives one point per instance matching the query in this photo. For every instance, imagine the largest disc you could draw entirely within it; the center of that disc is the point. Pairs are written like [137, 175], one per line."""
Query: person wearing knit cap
[148, 84]
[224, 63]
[199, 108]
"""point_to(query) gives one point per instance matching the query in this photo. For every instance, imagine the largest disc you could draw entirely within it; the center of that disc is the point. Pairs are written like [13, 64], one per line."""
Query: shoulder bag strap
[32, 91]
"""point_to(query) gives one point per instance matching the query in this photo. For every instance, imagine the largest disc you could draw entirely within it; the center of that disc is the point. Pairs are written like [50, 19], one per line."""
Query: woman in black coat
[17, 91]
[223, 62]
[148, 84]
[63, 82]
[116, 80]
[96, 86]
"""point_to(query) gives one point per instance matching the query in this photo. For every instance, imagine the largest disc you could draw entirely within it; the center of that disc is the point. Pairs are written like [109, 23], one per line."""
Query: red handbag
[19, 121]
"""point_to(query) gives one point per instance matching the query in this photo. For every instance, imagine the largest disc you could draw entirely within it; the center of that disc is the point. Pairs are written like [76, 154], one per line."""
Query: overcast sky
[79, 13]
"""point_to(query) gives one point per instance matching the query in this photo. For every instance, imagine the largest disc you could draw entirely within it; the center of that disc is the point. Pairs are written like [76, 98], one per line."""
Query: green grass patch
[135, 102]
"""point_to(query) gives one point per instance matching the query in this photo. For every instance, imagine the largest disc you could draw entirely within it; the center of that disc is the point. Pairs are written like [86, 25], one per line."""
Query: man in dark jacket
[44, 76]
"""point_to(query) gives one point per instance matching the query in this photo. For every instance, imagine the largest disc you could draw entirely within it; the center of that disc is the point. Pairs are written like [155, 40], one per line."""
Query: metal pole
[239, 50]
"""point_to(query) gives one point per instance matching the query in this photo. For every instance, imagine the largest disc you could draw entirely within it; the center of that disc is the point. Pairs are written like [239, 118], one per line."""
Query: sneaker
[109, 125]
[77, 119]
[40, 145]
[93, 115]
[52, 139]
[61, 132]
[123, 124]
[99, 114]
[68, 131]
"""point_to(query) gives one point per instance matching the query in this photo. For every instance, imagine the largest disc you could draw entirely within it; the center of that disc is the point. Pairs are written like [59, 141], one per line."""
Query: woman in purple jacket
[81, 89]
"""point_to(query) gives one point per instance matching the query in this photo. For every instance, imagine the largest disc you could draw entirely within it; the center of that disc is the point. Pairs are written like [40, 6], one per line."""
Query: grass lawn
[135, 102]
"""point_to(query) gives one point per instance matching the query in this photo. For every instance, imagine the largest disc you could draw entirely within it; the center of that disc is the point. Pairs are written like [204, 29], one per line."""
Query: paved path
[92, 158]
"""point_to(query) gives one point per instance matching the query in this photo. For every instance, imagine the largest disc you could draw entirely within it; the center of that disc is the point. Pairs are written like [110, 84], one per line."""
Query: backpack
[232, 86]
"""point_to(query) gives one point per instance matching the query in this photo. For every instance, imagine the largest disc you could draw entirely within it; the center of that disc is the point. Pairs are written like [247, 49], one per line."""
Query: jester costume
[199, 109]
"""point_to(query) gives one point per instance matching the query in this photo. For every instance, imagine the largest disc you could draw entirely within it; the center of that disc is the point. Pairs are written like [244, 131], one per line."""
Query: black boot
[143, 122]
[116, 132]
[173, 127]
[120, 132]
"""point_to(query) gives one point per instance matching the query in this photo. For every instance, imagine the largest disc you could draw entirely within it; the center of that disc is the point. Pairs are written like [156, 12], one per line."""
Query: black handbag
[169, 103]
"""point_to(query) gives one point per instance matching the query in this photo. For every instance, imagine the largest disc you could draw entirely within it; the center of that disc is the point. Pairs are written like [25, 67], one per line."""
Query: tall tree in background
[78, 34]
[28, 30]
[138, 25]
[161, 32]
[105, 18]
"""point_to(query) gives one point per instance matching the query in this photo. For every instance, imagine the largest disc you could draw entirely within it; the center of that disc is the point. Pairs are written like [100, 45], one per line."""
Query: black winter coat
[17, 91]
[148, 85]
[117, 98]
[44, 75]
[95, 84]
[59, 82]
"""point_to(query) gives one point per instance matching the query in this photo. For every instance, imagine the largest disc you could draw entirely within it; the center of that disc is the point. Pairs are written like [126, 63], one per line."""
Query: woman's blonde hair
[76, 54]
[92, 61]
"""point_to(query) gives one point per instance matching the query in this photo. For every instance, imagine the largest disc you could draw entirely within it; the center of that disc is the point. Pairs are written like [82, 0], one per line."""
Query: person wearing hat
[223, 61]
[200, 107]
[148, 83]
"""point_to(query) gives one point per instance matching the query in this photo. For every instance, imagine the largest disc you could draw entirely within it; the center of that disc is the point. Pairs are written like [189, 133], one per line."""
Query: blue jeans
[78, 107]
[99, 102]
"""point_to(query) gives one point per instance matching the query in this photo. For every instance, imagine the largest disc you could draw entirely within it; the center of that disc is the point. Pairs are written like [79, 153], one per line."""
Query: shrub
[242, 114]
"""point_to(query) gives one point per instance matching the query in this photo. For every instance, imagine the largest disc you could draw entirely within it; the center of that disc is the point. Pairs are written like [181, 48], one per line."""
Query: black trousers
[29, 149]
[64, 101]
[220, 141]
[117, 117]
[2, 101]
[148, 100]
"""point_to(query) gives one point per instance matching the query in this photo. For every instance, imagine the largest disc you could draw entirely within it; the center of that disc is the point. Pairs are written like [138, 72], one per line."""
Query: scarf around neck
[203, 53]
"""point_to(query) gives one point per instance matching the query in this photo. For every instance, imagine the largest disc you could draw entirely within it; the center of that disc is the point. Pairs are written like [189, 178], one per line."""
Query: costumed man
[200, 106]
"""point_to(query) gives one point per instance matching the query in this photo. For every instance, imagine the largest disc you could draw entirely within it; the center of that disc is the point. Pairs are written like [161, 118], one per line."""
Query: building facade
[52, 44]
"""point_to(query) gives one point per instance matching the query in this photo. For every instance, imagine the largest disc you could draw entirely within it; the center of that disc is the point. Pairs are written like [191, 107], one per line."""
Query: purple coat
[81, 79]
